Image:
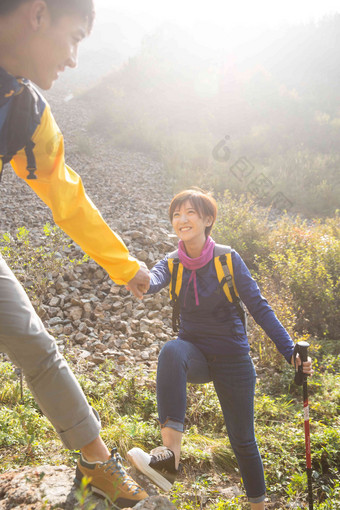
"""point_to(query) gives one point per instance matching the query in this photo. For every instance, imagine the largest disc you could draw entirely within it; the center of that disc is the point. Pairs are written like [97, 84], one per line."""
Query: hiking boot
[158, 465]
[110, 480]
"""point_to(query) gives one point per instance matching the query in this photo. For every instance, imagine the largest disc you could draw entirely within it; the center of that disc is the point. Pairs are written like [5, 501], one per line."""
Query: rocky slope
[82, 307]
[82, 304]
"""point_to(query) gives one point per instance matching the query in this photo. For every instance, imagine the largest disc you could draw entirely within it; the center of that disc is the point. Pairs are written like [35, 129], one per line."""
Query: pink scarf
[196, 263]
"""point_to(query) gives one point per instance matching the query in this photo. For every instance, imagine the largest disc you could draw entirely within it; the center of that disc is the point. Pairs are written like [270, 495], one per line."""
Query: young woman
[212, 345]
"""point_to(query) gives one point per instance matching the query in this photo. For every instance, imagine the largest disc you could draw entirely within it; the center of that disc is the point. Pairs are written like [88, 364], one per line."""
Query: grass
[128, 411]
[127, 405]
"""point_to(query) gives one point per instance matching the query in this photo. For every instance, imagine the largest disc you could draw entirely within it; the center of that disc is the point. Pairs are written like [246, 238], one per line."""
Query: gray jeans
[31, 348]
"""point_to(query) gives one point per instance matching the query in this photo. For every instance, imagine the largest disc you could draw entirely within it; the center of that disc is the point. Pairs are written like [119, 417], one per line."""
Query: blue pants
[234, 381]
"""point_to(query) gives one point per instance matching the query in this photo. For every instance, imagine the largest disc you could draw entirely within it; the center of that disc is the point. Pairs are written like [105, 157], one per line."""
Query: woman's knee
[172, 351]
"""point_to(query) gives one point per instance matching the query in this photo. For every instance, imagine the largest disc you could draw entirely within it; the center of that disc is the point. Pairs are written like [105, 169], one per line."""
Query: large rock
[155, 503]
[37, 488]
[51, 487]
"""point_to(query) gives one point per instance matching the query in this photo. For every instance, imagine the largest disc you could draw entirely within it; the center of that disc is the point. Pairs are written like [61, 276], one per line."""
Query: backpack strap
[1, 166]
[225, 274]
[22, 120]
[224, 270]
[176, 271]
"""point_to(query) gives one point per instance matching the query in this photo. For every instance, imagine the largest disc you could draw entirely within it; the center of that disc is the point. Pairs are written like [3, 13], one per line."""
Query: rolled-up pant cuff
[83, 433]
[257, 500]
[172, 424]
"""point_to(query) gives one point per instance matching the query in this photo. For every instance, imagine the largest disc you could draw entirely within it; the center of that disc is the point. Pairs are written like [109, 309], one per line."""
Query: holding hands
[140, 283]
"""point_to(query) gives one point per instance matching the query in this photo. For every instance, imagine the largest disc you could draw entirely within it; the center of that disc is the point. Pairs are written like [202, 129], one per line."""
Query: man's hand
[140, 283]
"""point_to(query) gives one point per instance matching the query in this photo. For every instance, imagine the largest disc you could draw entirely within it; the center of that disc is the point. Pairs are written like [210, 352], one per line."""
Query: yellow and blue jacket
[32, 142]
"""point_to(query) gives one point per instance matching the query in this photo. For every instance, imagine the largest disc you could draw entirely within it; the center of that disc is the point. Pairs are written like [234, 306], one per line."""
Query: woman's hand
[307, 365]
[140, 283]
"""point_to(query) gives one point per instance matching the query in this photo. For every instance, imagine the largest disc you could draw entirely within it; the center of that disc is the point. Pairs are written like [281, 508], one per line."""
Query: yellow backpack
[225, 274]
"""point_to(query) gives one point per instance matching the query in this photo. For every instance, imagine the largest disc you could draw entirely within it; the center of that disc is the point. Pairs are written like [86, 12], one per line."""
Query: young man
[38, 40]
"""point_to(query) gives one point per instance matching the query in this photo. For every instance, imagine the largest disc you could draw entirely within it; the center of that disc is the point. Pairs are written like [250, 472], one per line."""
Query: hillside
[112, 340]
[274, 98]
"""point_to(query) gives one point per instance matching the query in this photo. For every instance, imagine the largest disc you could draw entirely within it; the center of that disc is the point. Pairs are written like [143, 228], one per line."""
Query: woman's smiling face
[188, 225]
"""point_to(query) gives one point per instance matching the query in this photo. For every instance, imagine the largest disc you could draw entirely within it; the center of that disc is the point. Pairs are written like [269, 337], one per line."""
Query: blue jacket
[214, 325]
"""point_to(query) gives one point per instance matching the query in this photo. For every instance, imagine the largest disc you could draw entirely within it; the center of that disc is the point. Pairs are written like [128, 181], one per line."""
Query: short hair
[57, 8]
[202, 201]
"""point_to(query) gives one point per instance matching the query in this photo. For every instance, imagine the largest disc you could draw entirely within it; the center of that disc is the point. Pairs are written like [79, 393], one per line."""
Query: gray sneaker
[158, 465]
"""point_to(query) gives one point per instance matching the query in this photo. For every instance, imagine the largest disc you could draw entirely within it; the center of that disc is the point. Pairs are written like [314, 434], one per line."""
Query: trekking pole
[301, 380]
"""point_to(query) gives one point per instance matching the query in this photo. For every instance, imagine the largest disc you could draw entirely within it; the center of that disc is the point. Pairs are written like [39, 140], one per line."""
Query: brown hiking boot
[110, 480]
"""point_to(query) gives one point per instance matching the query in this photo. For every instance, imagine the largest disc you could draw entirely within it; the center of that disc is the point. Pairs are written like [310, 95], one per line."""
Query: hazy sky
[212, 27]
[209, 22]
[220, 11]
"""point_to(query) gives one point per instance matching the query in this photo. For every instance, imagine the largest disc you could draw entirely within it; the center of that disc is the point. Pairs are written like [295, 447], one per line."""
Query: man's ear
[38, 14]
[209, 221]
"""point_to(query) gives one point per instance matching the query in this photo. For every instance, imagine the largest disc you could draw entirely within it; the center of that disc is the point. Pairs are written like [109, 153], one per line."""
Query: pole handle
[300, 348]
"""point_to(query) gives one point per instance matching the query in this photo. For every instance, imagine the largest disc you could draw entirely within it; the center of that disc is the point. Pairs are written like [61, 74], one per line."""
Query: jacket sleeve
[159, 276]
[259, 308]
[62, 191]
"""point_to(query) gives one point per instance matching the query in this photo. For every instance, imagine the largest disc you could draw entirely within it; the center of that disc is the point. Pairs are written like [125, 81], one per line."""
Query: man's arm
[62, 190]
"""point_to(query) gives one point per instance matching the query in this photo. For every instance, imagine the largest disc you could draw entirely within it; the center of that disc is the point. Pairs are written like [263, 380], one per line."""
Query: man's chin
[48, 87]
[44, 84]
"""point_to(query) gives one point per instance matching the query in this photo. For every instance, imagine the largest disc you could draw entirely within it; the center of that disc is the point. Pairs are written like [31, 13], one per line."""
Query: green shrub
[244, 226]
[35, 264]
[305, 261]
[296, 264]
